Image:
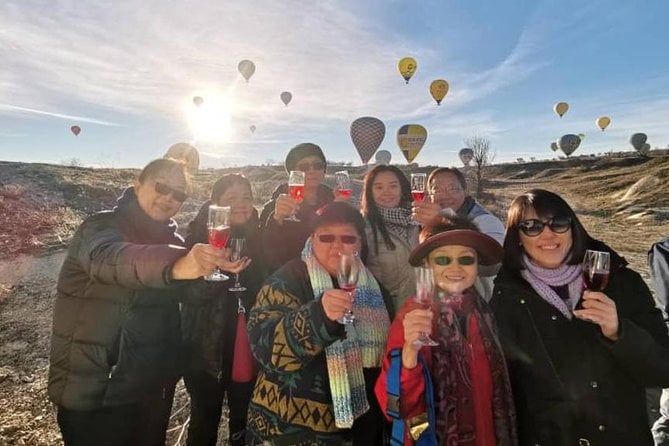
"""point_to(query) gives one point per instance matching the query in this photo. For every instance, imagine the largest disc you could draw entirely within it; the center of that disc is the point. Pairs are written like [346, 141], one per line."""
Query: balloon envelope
[184, 152]
[554, 147]
[75, 129]
[561, 108]
[410, 139]
[645, 149]
[383, 157]
[638, 140]
[407, 67]
[252, 128]
[439, 90]
[197, 100]
[246, 68]
[466, 156]
[367, 134]
[603, 122]
[568, 143]
[286, 97]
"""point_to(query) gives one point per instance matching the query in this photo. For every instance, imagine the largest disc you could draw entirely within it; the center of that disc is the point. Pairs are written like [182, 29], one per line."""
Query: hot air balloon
[603, 122]
[286, 97]
[638, 140]
[367, 134]
[246, 68]
[383, 157]
[554, 147]
[438, 90]
[197, 100]
[581, 136]
[185, 152]
[252, 128]
[410, 139]
[466, 156]
[561, 108]
[568, 143]
[645, 149]
[75, 129]
[407, 67]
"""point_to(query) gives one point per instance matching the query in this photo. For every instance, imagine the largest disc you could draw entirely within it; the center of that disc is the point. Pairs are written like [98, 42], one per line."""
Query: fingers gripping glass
[218, 226]
[296, 188]
[424, 297]
[348, 271]
[237, 246]
[164, 189]
[534, 227]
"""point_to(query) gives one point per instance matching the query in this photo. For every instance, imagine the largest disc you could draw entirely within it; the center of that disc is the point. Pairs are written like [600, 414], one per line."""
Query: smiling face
[548, 249]
[447, 191]
[327, 253]
[386, 190]
[157, 206]
[240, 199]
[455, 267]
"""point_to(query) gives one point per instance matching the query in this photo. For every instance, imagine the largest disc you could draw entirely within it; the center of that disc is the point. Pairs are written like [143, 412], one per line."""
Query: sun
[211, 121]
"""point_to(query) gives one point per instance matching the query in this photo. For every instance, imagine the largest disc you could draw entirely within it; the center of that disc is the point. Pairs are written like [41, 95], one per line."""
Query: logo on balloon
[410, 139]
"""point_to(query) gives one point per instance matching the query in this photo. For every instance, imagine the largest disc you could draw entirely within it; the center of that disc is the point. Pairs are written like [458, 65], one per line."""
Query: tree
[484, 155]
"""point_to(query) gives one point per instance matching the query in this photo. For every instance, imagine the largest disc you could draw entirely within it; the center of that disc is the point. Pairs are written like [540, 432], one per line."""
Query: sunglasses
[345, 239]
[177, 195]
[534, 227]
[462, 260]
[449, 190]
[316, 165]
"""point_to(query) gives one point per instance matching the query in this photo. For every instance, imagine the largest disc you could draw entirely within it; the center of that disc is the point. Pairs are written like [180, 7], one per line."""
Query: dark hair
[301, 151]
[226, 182]
[546, 205]
[369, 208]
[455, 222]
[338, 213]
[450, 170]
[160, 165]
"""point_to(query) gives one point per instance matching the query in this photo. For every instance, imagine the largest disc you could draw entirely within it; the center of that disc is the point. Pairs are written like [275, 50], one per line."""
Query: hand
[598, 308]
[426, 213]
[285, 206]
[339, 197]
[336, 303]
[235, 267]
[200, 261]
[416, 322]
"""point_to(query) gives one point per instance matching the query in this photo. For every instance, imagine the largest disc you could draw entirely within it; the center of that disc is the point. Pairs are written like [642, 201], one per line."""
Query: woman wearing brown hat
[457, 392]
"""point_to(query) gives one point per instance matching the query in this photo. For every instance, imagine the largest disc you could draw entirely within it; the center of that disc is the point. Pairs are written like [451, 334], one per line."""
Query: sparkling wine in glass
[296, 188]
[418, 181]
[218, 226]
[596, 266]
[343, 181]
[425, 298]
[348, 271]
[237, 246]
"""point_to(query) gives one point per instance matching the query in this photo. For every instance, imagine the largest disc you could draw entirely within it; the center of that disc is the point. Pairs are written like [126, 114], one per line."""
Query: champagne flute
[596, 266]
[343, 182]
[418, 181]
[219, 232]
[348, 271]
[425, 298]
[296, 187]
[237, 246]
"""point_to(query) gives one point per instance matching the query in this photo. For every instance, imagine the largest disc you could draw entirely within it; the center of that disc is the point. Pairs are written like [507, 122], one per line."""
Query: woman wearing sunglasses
[458, 391]
[317, 375]
[115, 341]
[579, 359]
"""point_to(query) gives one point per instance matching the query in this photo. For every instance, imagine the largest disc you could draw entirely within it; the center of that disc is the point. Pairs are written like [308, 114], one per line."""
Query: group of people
[521, 355]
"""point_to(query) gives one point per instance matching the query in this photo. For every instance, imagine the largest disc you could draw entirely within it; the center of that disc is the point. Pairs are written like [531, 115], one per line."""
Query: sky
[126, 72]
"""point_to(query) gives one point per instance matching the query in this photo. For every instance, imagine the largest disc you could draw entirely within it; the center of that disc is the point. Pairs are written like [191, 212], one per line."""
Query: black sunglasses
[177, 195]
[462, 260]
[316, 165]
[345, 239]
[534, 227]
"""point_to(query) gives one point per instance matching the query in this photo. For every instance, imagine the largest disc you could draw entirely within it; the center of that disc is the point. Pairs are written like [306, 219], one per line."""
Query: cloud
[7, 108]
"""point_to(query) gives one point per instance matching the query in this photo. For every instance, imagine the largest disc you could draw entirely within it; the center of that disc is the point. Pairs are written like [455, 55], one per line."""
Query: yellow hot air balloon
[603, 122]
[410, 139]
[561, 108]
[439, 90]
[407, 67]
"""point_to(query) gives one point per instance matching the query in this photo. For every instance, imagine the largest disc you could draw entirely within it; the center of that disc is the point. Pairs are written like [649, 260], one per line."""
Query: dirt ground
[27, 289]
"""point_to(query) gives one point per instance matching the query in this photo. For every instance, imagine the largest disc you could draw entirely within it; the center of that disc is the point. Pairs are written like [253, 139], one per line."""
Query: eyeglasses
[315, 165]
[345, 239]
[177, 195]
[534, 227]
[449, 189]
[462, 260]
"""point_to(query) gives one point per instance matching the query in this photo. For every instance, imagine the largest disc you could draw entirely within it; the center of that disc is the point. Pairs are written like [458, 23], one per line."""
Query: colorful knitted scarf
[363, 347]
[542, 279]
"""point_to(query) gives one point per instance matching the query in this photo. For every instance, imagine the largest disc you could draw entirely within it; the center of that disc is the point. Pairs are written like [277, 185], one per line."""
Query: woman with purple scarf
[579, 360]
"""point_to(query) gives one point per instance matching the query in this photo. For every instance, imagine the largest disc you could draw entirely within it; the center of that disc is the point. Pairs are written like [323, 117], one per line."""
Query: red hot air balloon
[75, 129]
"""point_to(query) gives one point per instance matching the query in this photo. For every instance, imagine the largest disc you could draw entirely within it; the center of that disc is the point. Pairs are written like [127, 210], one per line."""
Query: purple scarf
[542, 279]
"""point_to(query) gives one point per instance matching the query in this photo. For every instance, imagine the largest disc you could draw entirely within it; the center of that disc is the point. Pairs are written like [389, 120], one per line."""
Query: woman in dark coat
[579, 360]
[210, 322]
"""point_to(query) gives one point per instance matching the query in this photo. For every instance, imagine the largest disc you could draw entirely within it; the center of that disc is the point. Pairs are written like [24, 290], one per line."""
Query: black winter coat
[116, 318]
[569, 381]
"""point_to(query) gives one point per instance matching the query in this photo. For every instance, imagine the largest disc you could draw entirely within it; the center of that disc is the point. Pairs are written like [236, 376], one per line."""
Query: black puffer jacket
[209, 312]
[569, 381]
[116, 319]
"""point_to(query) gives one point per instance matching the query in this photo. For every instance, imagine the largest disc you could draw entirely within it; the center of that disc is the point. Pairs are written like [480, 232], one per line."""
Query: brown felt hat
[489, 251]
